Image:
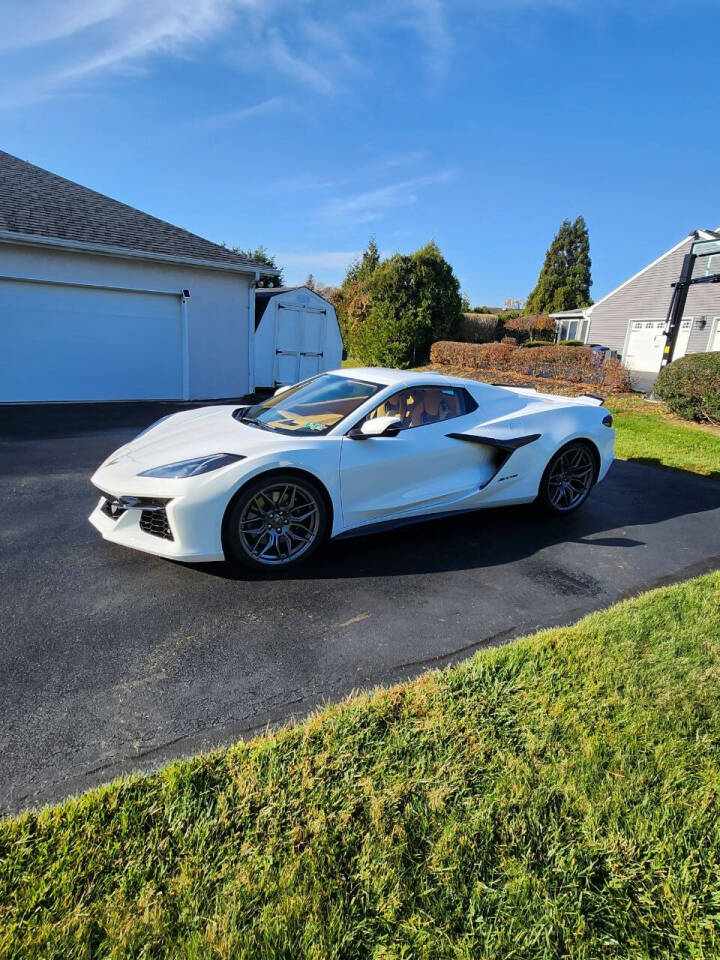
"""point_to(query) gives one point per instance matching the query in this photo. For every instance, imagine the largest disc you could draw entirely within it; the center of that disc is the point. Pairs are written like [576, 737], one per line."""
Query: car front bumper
[185, 527]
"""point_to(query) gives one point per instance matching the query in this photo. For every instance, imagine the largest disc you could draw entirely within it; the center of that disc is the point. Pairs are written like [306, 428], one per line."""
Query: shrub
[574, 364]
[478, 327]
[390, 311]
[691, 386]
[571, 343]
[537, 325]
[535, 343]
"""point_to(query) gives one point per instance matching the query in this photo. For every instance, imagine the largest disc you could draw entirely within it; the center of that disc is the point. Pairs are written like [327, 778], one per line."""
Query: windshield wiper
[254, 422]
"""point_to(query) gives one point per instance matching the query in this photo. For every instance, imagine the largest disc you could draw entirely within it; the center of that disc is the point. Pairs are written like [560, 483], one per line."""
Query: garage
[296, 335]
[102, 302]
[646, 342]
[61, 341]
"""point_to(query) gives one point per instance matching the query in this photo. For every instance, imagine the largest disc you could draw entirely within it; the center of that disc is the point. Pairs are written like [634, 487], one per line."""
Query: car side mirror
[283, 389]
[377, 427]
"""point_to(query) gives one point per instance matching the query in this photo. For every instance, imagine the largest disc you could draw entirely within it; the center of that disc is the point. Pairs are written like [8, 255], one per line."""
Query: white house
[630, 319]
[99, 301]
[296, 335]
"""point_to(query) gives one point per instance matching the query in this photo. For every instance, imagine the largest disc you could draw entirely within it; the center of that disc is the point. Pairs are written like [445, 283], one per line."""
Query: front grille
[155, 522]
[153, 518]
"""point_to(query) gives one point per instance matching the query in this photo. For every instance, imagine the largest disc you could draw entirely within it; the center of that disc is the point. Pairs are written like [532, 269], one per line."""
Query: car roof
[387, 377]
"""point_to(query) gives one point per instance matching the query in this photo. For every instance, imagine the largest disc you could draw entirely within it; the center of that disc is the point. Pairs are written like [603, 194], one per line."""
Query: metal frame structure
[681, 287]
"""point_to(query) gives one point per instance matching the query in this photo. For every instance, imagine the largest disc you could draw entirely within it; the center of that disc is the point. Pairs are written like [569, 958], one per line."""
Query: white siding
[648, 295]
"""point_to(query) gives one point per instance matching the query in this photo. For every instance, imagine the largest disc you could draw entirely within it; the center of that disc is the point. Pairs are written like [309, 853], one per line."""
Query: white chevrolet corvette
[343, 453]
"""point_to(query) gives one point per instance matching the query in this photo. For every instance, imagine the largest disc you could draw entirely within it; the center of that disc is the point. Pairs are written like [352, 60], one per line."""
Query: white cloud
[372, 205]
[319, 45]
[327, 266]
[428, 20]
[318, 260]
[242, 113]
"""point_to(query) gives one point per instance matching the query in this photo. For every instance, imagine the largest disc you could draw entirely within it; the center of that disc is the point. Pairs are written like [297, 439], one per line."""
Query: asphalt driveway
[113, 661]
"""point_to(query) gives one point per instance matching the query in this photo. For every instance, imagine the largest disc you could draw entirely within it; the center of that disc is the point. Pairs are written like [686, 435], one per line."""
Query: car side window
[419, 406]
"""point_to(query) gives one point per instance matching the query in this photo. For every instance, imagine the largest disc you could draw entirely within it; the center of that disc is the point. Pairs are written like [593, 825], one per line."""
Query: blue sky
[308, 126]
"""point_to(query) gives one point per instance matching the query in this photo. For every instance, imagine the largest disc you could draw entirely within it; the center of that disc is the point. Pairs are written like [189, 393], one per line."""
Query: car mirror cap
[377, 427]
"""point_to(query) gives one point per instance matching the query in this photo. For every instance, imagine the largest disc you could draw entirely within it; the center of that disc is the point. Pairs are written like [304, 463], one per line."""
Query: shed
[296, 335]
[100, 301]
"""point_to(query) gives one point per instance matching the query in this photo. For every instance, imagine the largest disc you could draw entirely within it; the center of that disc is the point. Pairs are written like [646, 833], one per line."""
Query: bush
[390, 311]
[574, 364]
[535, 343]
[691, 387]
[528, 325]
[571, 343]
[477, 328]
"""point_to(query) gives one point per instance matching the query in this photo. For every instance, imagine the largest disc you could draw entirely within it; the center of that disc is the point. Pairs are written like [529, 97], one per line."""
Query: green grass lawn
[648, 433]
[559, 797]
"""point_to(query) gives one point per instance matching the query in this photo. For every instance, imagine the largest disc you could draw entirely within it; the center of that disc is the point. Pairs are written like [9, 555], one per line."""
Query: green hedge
[571, 343]
[691, 387]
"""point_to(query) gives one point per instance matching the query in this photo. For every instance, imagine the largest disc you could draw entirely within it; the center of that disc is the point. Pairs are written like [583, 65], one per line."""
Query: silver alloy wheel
[570, 478]
[279, 523]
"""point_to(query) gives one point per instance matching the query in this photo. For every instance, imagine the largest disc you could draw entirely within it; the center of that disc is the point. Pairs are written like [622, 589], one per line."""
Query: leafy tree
[261, 255]
[310, 282]
[564, 281]
[391, 311]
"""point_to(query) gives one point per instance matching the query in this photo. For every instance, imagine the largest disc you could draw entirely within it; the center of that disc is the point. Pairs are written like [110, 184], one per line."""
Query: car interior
[418, 406]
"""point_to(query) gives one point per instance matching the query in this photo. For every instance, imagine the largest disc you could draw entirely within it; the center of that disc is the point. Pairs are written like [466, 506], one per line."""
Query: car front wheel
[567, 479]
[276, 522]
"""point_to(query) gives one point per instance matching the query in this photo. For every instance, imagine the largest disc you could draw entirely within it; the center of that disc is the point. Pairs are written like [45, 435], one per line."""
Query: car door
[421, 469]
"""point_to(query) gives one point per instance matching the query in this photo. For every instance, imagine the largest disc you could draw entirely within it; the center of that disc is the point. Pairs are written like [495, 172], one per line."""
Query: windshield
[312, 407]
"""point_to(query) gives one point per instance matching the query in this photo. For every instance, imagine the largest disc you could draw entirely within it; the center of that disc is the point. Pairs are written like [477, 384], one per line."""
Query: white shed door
[62, 342]
[299, 339]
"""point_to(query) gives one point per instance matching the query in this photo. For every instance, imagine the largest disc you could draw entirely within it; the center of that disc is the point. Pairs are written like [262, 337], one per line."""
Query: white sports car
[342, 453]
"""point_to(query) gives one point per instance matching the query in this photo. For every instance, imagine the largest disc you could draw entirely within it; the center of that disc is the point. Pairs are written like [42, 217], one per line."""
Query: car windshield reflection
[311, 408]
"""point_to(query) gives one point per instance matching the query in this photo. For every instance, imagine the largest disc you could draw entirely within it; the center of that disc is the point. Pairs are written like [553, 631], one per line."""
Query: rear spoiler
[592, 399]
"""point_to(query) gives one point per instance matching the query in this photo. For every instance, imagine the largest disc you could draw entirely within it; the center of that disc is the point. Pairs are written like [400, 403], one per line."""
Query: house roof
[263, 296]
[35, 203]
[690, 238]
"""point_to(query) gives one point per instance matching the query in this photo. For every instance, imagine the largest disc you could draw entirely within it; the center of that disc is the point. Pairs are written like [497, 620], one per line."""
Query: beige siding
[648, 296]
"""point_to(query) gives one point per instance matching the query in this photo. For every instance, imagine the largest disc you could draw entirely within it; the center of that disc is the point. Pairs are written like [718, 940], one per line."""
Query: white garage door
[646, 343]
[714, 343]
[64, 342]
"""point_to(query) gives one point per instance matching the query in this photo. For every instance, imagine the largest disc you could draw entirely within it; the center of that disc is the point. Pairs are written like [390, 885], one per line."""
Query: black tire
[568, 479]
[275, 522]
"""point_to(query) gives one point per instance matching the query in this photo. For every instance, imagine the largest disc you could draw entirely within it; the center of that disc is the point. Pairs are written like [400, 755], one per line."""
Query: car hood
[198, 433]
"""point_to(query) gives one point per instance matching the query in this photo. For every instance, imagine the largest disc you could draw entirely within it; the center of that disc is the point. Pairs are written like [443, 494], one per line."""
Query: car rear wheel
[276, 522]
[568, 479]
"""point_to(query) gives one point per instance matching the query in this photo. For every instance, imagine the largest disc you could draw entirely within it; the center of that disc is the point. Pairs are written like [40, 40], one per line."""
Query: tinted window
[419, 406]
[312, 407]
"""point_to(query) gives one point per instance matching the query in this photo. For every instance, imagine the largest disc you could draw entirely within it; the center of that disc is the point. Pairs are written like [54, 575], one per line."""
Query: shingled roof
[38, 203]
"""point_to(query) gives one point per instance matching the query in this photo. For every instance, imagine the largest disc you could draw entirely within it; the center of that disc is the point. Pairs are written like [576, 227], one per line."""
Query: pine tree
[564, 281]
[310, 282]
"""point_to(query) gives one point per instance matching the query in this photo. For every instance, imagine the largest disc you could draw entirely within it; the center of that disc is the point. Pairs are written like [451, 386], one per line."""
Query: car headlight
[191, 468]
[153, 425]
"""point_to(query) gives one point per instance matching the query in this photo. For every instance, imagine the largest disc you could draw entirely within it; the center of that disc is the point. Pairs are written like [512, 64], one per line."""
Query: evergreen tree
[564, 281]
[310, 282]
[261, 255]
